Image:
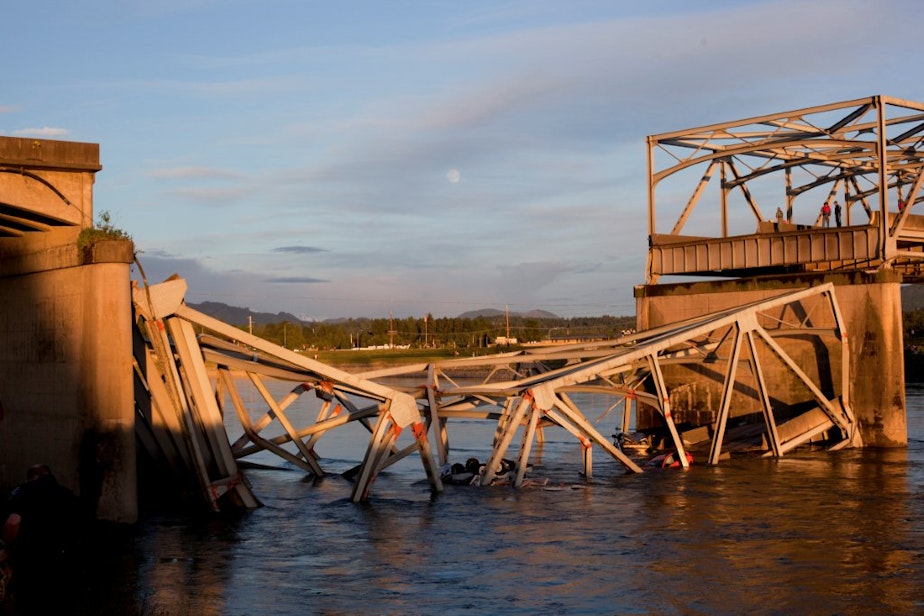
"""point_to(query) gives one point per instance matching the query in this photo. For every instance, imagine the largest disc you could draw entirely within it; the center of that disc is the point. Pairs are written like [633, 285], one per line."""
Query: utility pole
[250, 324]
[391, 330]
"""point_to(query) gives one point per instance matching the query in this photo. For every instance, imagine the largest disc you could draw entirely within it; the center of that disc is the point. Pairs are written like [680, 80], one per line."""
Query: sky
[366, 158]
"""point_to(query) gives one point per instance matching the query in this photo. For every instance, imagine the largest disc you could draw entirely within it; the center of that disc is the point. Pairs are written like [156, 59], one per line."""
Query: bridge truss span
[522, 394]
[766, 178]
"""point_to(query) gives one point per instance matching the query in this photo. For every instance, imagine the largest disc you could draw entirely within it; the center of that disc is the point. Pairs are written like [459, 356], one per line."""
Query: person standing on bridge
[826, 215]
[837, 213]
[779, 216]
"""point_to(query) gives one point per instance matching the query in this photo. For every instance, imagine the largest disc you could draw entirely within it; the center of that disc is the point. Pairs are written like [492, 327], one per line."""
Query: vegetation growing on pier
[104, 229]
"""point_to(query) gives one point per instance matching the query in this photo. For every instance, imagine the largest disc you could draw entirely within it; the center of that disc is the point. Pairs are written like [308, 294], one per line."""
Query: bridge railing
[784, 251]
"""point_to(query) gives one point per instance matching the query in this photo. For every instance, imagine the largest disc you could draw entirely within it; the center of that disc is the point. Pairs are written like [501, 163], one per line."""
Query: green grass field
[393, 357]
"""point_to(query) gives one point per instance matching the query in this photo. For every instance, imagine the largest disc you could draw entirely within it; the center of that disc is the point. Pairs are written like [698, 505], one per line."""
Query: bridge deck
[45, 184]
[771, 252]
[779, 248]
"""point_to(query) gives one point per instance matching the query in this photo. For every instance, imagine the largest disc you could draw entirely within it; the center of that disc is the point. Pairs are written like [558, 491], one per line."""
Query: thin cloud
[193, 173]
[46, 132]
[214, 196]
[298, 249]
[296, 280]
[227, 89]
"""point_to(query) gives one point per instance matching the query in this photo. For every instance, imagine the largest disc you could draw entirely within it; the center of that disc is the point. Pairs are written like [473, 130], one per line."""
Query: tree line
[913, 328]
[477, 332]
[442, 332]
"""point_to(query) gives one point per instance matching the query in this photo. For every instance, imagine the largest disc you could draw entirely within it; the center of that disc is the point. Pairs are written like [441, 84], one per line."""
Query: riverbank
[362, 360]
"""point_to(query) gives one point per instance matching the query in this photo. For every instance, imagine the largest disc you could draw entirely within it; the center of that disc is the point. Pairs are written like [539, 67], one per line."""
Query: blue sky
[356, 158]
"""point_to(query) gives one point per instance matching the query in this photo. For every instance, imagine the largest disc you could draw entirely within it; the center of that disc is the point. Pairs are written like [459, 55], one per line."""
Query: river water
[812, 533]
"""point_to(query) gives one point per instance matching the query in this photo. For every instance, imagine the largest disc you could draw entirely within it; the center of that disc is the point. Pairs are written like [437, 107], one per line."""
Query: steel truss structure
[866, 153]
[523, 392]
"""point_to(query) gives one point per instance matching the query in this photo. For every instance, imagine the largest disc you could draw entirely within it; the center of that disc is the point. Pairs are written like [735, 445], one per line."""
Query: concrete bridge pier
[871, 307]
[66, 396]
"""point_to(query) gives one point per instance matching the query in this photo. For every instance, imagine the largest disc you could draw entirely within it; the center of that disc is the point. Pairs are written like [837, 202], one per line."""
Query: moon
[453, 176]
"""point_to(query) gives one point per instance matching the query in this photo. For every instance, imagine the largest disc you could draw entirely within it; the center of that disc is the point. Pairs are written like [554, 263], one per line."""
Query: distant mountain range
[492, 312]
[912, 299]
[242, 316]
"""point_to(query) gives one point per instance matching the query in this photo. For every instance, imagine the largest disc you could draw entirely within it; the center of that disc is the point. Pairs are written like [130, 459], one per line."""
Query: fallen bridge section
[184, 418]
[736, 345]
[521, 393]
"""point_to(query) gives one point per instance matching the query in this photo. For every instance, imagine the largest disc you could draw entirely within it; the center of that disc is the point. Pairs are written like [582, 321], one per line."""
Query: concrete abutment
[66, 396]
[871, 307]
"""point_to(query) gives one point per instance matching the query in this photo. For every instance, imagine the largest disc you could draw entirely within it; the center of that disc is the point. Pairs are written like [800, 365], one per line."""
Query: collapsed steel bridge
[182, 403]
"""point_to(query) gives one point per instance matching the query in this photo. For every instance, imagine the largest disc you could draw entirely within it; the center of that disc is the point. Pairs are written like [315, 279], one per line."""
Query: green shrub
[102, 230]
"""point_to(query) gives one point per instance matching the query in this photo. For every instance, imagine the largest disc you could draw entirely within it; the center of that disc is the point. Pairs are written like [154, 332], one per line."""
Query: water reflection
[799, 534]
[810, 533]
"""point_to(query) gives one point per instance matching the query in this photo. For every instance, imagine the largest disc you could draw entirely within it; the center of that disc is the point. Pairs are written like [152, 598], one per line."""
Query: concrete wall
[51, 179]
[871, 307]
[65, 367]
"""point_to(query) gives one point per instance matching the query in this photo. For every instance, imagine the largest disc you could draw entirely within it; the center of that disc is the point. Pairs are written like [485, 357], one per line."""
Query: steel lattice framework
[182, 409]
[864, 152]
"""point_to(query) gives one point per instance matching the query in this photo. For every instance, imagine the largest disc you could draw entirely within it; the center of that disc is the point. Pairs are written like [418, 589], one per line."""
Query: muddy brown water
[812, 533]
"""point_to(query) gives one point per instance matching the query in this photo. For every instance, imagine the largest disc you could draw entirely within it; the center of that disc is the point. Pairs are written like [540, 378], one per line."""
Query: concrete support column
[66, 380]
[871, 307]
[107, 440]
[873, 313]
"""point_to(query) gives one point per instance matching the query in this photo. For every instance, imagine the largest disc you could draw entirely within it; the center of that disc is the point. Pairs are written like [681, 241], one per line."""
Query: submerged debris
[473, 471]
[668, 460]
[632, 442]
